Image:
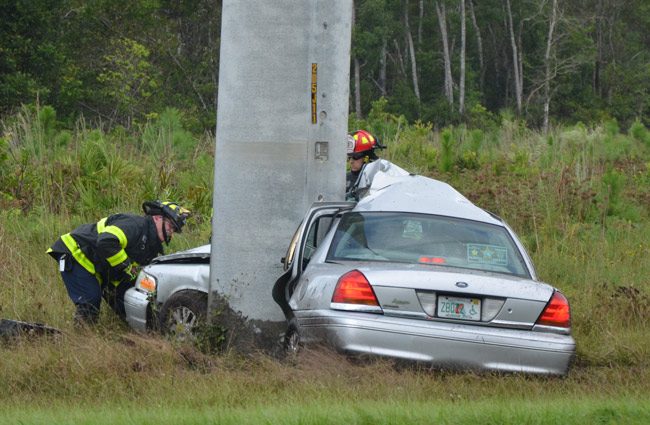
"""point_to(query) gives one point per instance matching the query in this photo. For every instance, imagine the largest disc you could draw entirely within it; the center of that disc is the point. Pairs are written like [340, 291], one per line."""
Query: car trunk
[448, 294]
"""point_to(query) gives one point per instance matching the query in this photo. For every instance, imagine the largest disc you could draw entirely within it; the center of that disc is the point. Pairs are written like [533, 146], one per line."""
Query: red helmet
[361, 143]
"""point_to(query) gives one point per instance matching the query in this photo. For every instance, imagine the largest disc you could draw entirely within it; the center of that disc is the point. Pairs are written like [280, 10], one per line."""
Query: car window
[315, 235]
[426, 239]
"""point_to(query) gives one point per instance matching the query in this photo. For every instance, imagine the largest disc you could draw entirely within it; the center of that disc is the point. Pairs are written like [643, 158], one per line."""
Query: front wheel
[182, 313]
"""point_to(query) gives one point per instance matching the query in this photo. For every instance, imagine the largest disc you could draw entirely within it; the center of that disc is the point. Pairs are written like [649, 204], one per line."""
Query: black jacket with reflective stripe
[141, 239]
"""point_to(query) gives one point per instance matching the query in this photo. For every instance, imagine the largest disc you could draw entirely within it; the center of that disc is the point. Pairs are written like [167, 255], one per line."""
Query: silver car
[412, 271]
[415, 271]
[171, 293]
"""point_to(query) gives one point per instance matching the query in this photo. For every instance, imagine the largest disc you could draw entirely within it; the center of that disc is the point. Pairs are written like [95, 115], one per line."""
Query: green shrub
[640, 133]
[611, 127]
[381, 124]
[164, 137]
[414, 149]
[447, 153]
[479, 117]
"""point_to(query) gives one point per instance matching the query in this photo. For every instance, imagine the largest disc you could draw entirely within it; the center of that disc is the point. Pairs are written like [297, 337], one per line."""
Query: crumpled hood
[200, 252]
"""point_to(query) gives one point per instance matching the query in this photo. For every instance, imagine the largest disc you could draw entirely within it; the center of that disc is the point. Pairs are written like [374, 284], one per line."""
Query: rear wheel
[182, 313]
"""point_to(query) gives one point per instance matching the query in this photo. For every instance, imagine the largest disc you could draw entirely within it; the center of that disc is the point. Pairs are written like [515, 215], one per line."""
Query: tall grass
[89, 171]
[579, 197]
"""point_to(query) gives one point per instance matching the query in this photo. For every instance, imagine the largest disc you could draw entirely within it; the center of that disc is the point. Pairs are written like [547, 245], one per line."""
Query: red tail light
[354, 288]
[557, 312]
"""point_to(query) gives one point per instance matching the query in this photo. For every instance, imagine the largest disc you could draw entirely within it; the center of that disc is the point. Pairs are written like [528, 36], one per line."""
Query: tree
[442, 22]
[129, 80]
[552, 21]
[32, 55]
[411, 49]
[461, 90]
[479, 43]
[516, 61]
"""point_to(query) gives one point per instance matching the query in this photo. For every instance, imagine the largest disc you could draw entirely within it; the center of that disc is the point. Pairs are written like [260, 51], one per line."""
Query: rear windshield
[426, 239]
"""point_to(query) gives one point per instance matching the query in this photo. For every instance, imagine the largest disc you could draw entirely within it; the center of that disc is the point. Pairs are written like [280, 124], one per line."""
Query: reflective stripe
[101, 225]
[77, 253]
[118, 258]
[121, 255]
[114, 230]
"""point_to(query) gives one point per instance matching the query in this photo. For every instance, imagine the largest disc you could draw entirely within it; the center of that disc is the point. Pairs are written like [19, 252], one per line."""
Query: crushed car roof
[394, 189]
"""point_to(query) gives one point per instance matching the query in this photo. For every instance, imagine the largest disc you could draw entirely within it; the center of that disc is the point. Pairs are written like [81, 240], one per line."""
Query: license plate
[459, 308]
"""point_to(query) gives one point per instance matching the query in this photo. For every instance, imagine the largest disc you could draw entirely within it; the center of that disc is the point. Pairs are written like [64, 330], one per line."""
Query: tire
[181, 313]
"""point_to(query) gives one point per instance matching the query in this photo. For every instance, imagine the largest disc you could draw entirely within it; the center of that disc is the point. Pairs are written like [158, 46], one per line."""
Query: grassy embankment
[579, 199]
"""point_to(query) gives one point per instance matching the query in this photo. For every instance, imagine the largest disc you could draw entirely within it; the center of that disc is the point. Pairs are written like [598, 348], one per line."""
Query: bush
[640, 133]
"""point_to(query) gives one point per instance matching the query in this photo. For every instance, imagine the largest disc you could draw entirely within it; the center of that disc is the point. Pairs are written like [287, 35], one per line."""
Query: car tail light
[556, 313]
[353, 292]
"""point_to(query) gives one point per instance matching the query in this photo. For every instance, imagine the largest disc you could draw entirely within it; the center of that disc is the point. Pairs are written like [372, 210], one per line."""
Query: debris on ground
[15, 328]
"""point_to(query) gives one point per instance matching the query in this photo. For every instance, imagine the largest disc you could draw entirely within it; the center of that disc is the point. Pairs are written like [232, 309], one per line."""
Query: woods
[445, 62]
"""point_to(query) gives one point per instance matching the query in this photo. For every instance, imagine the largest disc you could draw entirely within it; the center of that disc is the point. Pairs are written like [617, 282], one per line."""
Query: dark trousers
[83, 289]
[86, 293]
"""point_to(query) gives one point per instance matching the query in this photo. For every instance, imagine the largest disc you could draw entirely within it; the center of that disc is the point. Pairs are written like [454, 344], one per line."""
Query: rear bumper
[136, 304]
[439, 343]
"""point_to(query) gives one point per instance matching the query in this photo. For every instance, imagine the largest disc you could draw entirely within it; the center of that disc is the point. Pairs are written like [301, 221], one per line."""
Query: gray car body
[511, 341]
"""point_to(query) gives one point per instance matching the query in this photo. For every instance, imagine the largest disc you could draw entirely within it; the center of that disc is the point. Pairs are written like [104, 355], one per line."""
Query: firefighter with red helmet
[102, 259]
[361, 151]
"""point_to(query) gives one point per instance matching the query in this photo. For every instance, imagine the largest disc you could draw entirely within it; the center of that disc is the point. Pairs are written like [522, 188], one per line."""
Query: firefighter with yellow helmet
[361, 151]
[102, 259]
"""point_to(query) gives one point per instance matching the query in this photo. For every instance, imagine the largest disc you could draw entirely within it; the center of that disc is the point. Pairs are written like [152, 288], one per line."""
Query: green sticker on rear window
[487, 254]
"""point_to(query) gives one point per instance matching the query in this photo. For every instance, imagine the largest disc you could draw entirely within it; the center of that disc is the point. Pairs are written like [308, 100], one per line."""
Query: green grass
[103, 376]
[552, 411]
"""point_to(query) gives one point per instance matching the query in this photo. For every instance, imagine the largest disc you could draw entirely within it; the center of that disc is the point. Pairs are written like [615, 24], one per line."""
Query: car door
[304, 243]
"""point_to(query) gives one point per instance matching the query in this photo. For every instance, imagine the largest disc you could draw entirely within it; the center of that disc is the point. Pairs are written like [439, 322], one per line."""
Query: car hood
[200, 252]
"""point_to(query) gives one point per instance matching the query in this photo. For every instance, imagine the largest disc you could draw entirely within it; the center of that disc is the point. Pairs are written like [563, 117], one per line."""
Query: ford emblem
[462, 284]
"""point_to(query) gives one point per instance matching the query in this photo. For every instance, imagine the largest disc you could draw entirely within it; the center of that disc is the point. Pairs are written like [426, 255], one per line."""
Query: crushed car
[412, 270]
[171, 293]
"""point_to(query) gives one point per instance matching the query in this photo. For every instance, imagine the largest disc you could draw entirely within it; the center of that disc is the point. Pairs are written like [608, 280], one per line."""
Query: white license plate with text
[459, 308]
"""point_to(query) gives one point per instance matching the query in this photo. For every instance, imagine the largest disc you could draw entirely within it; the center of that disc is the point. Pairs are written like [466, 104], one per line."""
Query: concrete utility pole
[281, 141]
